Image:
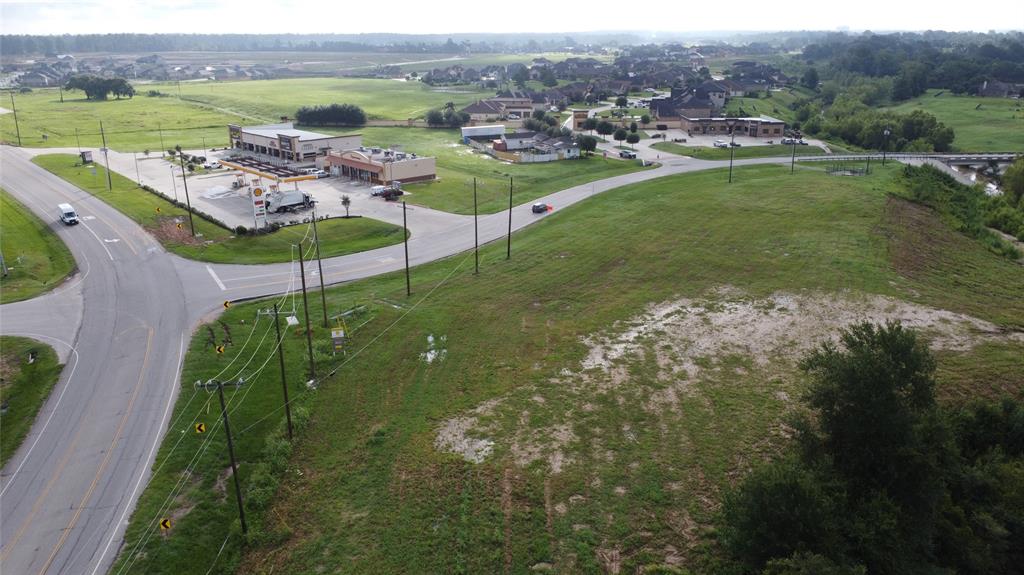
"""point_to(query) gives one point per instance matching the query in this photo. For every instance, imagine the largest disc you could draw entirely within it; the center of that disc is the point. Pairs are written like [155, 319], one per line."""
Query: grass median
[338, 236]
[36, 259]
[578, 465]
[28, 371]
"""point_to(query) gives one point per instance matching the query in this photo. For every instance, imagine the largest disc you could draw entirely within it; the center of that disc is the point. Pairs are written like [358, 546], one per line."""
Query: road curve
[125, 320]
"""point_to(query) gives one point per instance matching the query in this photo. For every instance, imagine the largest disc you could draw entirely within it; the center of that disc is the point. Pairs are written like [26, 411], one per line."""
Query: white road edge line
[46, 424]
[149, 457]
[213, 274]
[102, 243]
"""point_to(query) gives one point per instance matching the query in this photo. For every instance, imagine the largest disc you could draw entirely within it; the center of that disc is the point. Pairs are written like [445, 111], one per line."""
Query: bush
[241, 231]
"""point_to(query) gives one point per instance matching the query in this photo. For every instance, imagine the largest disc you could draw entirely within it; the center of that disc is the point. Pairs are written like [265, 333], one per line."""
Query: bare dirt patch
[166, 231]
[690, 340]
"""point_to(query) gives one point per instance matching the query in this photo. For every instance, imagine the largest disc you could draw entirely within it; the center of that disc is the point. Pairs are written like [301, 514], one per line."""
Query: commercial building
[759, 127]
[284, 142]
[380, 166]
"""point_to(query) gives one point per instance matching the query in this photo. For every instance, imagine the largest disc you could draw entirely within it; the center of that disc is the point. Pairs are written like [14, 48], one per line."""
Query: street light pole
[732, 149]
[792, 161]
[15, 112]
[174, 183]
[106, 158]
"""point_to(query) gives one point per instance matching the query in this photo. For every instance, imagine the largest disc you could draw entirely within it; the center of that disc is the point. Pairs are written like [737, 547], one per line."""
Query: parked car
[629, 155]
[734, 144]
[802, 143]
[212, 165]
[721, 144]
[540, 208]
[656, 135]
[789, 141]
[378, 190]
[321, 174]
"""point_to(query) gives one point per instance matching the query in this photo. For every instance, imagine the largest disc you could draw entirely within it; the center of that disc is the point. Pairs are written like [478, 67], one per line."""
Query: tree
[621, 102]
[604, 127]
[547, 77]
[1013, 183]
[435, 118]
[632, 138]
[346, 202]
[586, 143]
[810, 79]
[589, 124]
[537, 114]
[620, 134]
[633, 127]
[645, 119]
[520, 77]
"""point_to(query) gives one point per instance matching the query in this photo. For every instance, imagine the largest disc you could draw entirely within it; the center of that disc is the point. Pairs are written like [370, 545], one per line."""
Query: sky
[455, 16]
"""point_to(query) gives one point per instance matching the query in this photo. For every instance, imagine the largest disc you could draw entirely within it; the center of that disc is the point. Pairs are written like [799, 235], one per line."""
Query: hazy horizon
[657, 17]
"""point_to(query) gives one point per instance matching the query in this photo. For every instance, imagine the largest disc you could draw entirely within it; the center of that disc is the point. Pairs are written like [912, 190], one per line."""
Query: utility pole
[161, 130]
[106, 158]
[476, 232]
[792, 162]
[284, 382]
[61, 88]
[79, 142]
[305, 307]
[320, 268]
[137, 176]
[188, 202]
[405, 229]
[508, 251]
[15, 112]
[231, 454]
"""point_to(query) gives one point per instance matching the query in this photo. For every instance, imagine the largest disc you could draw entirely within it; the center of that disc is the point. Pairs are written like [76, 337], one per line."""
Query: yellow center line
[106, 459]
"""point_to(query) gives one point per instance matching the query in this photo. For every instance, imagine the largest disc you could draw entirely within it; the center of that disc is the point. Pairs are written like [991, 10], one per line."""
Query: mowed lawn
[705, 153]
[24, 386]
[776, 105]
[980, 124]
[458, 164]
[130, 124]
[271, 99]
[365, 490]
[338, 236]
[36, 259]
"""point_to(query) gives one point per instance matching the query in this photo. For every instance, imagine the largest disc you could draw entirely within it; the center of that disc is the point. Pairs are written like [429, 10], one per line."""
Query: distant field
[980, 124]
[338, 236]
[703, 153]
[37, 260]
[268, 100]
[457, 165]
[130, 124]
[622, 463]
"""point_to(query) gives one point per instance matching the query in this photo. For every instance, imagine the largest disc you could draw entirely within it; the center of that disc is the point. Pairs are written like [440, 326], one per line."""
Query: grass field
[705, 153]
[24, 388]
[271, 99]
[36, 259]
[980, 124]
[132, 124]
[591, 469]
[457, 165]
[338, 236]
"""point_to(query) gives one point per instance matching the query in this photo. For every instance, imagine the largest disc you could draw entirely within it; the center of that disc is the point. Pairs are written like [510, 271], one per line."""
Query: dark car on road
[540, 208]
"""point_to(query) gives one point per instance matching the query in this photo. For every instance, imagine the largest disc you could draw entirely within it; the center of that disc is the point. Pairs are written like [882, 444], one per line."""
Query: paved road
[122, 323]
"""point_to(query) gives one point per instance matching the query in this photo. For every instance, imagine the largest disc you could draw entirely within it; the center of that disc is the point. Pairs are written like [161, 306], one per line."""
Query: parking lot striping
[213, 274]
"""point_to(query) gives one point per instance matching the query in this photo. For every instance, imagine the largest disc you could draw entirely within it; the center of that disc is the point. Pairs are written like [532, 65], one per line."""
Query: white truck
[288, 200]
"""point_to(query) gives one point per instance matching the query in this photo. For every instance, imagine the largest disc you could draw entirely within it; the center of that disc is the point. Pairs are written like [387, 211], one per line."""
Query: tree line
[331, 115]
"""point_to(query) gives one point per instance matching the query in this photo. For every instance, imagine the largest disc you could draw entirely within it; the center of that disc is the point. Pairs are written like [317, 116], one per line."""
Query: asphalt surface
[122, 324]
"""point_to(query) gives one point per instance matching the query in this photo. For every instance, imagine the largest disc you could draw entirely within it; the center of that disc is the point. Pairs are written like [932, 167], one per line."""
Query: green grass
[24, 388]
[129, 124]
[704, 153]
[271, 99]
[457, 165]
[365, 491]
[36, 259]
[338, 236]
[980, 124]
[628, 112]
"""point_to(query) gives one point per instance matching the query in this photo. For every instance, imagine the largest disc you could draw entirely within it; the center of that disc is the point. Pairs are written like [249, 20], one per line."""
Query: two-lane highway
[67, 491]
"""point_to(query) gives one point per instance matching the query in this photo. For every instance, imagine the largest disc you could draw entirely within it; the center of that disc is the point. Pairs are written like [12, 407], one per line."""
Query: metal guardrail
[983, 157]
